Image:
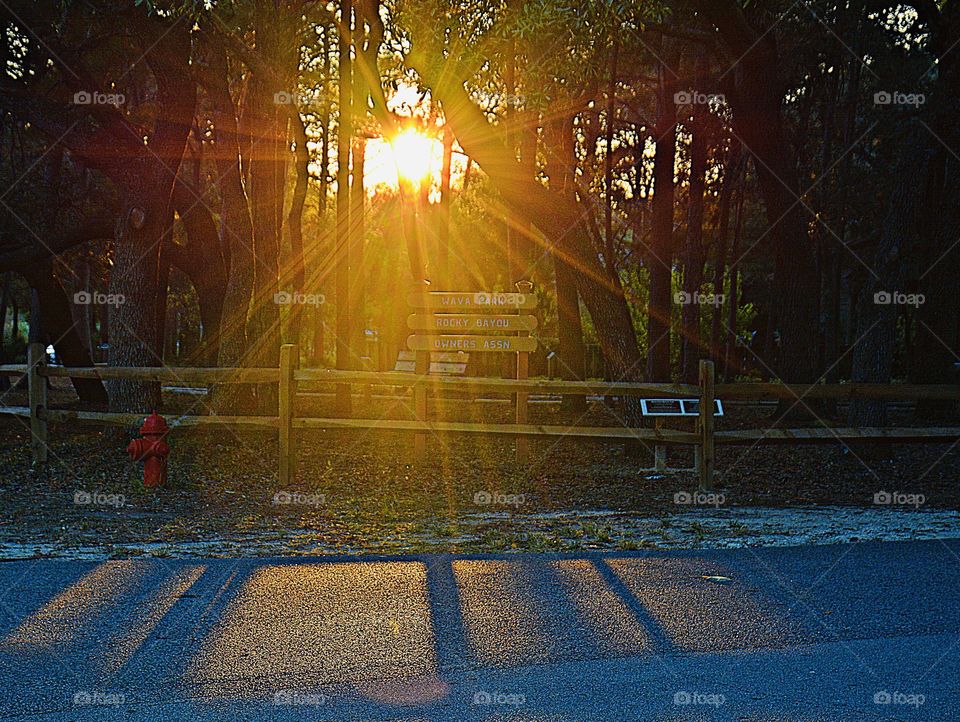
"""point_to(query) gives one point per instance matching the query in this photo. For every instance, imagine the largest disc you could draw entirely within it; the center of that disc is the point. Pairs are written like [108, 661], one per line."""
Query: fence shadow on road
[390, 631]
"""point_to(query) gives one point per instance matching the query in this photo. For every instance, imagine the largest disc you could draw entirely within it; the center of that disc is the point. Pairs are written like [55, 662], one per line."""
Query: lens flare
[413, 156]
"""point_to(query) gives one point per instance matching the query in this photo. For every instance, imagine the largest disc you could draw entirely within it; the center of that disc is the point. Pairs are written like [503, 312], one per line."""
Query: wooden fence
[289, 376]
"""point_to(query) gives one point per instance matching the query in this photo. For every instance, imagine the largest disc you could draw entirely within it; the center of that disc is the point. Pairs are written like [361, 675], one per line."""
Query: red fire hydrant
[152, 450]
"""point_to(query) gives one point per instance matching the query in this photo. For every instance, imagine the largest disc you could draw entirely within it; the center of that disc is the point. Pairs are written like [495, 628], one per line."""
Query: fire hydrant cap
[154, 424]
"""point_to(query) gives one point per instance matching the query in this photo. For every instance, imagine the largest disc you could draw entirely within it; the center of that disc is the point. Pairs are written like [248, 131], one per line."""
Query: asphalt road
[846, 632]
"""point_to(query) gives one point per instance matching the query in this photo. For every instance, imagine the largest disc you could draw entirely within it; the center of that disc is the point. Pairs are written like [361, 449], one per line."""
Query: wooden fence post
[523, 372]
[705, 465]
[37, 393]
[289, 361]
[421, 368]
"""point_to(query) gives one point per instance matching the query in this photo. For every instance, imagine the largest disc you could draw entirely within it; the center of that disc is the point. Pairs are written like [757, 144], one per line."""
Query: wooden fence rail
[290, 377]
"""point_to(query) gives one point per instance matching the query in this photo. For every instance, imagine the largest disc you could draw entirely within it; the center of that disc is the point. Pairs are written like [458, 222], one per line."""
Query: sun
[413, 155]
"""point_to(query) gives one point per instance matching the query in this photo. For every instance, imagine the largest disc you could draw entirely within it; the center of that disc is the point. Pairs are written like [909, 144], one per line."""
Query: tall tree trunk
[267, 174]
[570, 353]
[443, 237]
[732, 170]
[877, 320]
[236, 233]
[4, 303]
[343, 246]
[730, 364]
[835, 258]
[609, 250]
[936, 348]
[326, 43]
[295, 222]
[202, 260]
[660, 257]
[358, 270]
[694, 255]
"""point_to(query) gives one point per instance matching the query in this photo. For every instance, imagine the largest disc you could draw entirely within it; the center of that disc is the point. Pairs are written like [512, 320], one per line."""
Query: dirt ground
[361, 491]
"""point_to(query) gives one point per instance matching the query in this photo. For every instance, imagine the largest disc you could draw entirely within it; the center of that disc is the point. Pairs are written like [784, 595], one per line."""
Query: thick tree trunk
[136, 279]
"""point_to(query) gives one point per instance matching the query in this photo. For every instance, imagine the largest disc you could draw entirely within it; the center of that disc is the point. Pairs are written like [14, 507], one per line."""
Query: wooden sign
[450, 364]
[472, 343]
[466, 323]
[480, 301]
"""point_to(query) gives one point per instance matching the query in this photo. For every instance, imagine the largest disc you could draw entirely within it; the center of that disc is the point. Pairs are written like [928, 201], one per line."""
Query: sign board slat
[437, 367]
[479, 301]
[468, 323]
[457, 357]
[472, 343]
